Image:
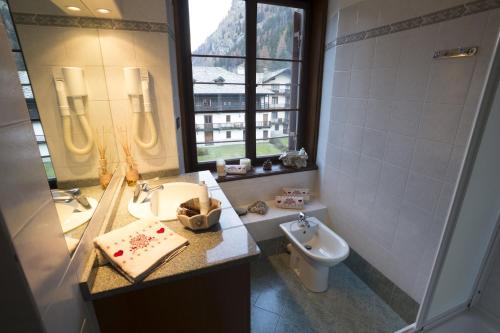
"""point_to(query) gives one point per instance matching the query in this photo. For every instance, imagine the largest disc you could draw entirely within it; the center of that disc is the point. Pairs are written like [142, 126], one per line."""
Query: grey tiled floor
[281, 304]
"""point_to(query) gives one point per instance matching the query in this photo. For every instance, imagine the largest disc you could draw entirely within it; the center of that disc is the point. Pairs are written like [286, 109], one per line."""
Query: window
[28, 94]
[228, 135]
[249, 58]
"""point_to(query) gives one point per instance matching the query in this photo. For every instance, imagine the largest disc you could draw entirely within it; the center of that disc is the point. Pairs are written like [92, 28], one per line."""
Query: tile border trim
[90, 23]
[400, 302]
[451, 13]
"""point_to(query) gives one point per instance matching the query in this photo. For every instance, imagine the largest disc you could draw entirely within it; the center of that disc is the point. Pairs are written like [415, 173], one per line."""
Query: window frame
[308, 123]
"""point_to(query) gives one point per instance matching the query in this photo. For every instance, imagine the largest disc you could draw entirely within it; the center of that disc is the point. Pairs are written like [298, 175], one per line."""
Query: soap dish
[189, 215]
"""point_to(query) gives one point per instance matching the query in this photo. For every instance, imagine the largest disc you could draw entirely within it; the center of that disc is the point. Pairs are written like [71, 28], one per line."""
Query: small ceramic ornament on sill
[247, 163]
[132, 174]
[104, 174]
[236, 169]
[294, 159]
[221, 167]
[268, 165]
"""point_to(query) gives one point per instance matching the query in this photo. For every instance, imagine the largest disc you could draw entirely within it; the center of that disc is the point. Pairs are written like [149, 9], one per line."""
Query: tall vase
[132, 175]
[104, 175]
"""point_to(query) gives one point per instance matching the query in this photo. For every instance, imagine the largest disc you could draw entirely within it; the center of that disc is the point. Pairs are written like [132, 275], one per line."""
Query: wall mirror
[62, 74]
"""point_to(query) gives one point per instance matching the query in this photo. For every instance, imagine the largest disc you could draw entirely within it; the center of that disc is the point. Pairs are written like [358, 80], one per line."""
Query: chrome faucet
[146, 188]
[303, 222]
[70, 195]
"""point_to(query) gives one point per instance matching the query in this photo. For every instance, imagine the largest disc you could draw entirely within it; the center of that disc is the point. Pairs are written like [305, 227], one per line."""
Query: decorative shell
[189, 215]
[294, 159]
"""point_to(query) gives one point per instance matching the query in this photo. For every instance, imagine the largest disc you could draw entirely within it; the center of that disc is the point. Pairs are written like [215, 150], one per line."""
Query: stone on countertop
[259, 207]
[240, 211]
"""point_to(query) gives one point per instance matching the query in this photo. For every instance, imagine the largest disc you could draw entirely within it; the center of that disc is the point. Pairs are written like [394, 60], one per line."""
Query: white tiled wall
[29, 214]
[103, 54]
[244, 192]
[395, 125]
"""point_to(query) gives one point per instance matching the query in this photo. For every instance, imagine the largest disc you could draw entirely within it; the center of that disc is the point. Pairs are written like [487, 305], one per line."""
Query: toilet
[314, 249]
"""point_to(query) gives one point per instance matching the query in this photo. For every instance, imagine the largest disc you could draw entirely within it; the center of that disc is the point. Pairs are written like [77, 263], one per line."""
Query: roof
[211, 74]
[217, 75]
[271, 75]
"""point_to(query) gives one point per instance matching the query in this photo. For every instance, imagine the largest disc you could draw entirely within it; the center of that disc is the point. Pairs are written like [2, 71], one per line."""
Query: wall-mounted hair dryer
[71, 84]
[137, 84]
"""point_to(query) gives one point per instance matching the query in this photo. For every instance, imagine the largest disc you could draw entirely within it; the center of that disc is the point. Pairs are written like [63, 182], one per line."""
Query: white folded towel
[139, 247]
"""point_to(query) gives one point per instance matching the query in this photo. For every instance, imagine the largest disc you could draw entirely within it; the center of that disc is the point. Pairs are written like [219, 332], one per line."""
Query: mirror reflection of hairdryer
[137, 84]
[72, 85]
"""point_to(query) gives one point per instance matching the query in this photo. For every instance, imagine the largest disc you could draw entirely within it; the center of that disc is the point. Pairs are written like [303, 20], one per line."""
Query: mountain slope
[274, 37]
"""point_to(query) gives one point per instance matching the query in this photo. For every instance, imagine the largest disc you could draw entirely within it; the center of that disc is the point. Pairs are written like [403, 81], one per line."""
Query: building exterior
[219, 94]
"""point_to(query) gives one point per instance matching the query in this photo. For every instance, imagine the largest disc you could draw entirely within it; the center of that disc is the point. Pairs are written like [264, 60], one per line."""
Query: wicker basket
[189, 215]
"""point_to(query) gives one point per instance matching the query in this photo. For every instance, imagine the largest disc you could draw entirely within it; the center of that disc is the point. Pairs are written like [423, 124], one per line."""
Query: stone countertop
[224, 244]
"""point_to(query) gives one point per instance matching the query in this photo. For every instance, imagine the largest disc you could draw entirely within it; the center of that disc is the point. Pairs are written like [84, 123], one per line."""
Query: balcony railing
[220, 126]
[218, 107]
[239, 125]
[263, 124]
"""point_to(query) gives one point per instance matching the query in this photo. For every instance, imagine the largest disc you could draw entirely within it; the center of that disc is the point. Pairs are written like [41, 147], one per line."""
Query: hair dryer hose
[68, 137]
[151, 125]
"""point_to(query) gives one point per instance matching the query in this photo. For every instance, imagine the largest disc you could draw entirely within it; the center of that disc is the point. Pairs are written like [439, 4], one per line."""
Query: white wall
[393, 129]
[490, 295]
[30, 216]
[247, 191]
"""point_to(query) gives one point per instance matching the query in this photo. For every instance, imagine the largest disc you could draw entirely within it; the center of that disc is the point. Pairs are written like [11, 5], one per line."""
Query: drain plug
[308, 247]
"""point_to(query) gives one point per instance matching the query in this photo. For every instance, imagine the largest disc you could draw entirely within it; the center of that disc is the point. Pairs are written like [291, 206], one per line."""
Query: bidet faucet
[303, 222]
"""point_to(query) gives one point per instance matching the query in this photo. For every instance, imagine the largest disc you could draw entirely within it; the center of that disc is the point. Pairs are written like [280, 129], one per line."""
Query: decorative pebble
[241, 211]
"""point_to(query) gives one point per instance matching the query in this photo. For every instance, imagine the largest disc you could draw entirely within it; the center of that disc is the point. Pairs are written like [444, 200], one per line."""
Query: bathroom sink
[72, 214]
[162, 204]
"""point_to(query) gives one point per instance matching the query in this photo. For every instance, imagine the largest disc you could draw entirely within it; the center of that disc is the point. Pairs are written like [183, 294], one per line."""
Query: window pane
[276, 132]
[218, 70]
[9, 26]
[218, 138]
[218, 97]
[20, 62]
[277, 88]
[276, 26]
[23, 77]
[277, 72]
[217, 27]
[277, 97]
[49, 168]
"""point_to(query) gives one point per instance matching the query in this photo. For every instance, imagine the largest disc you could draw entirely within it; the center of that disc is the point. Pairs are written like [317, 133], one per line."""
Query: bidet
[314, 249]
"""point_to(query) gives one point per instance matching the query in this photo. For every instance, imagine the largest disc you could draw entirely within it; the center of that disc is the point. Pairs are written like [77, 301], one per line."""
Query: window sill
[278, 169]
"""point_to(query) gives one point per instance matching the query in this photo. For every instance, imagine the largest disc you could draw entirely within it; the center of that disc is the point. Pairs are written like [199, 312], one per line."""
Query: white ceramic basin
[72, 214]
[326, 246]
[314, 250]
[163, 204]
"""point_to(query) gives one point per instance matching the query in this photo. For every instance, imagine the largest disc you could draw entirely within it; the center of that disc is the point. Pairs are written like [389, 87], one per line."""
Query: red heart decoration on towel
[118, 253]
[160, 231]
